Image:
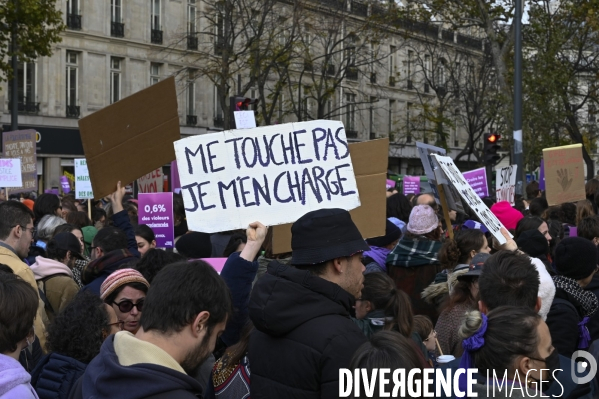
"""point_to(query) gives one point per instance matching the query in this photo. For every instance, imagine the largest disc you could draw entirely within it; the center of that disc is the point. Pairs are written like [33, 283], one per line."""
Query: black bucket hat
[323, 235]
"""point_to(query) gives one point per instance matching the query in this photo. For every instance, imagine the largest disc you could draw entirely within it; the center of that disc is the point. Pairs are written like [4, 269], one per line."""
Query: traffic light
[240, 104]
[491, 147]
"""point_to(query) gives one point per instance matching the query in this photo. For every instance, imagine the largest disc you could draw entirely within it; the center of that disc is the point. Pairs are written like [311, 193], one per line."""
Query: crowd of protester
[90, 307]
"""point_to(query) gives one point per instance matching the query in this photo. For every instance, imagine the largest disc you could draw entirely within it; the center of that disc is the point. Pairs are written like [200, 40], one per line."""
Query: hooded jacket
[20, 268]
[303, 335]
[97, 270]
[14, 380]
[129, 368]
[55, 375]
[60, 289]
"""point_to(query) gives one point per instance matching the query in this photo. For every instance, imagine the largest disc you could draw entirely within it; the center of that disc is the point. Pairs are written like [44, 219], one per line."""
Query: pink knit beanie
[120, 278]
[506, 214]
[422, 220]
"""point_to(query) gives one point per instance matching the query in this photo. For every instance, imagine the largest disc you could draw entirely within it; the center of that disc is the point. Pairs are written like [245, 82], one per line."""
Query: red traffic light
[493, 137]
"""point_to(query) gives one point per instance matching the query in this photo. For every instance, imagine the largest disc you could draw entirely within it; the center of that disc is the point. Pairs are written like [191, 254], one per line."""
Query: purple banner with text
[411, 185]
[156, 211]
[477, 179]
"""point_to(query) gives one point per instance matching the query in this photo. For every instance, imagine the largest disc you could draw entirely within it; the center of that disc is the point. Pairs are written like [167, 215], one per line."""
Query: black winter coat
[303, 335]
[563, 318]
[55, 375]
[593, 324]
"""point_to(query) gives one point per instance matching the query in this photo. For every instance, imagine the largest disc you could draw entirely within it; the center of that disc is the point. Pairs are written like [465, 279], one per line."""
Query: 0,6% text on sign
[155, 208]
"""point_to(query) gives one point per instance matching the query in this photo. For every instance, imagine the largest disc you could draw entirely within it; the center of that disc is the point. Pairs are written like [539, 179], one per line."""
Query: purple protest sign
[411, 185]
[64, 182]
[390, 184]
[51, 191]
[477, 179]
[542, 176]
[175, 182]
[156, 211]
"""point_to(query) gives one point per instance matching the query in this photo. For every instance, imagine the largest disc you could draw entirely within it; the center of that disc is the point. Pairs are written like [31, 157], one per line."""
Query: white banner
[83, 184]
[458, 181]
[505, 184]
[273, 174]
[10, 172]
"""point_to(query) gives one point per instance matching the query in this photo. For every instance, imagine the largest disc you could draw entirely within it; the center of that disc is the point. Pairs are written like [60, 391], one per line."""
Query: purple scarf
[470, 345]
[379, 255]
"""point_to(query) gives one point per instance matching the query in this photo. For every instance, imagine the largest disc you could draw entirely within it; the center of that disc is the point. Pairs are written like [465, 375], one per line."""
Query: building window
[73, 15]
[409, 122]
[192, 119]
[117, 28]
[409, 69]
[192, 38]
[350, 115]
[27, 91]
[219, 120]
[72, 84]
[155, 23]
[392, 51]
[154, 73]
[115, 79]
[390, 116]
[371, 116]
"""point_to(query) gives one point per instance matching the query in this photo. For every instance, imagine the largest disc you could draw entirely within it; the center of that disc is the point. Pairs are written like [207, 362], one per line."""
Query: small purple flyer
[156, 211]
[411, 185]
[477, 179]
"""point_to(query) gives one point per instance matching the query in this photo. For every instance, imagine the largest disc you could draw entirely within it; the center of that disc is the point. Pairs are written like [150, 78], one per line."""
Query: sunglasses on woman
[126, 306]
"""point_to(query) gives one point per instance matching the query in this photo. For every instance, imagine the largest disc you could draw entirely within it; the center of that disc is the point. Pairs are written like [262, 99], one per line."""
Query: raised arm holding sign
[274, 174]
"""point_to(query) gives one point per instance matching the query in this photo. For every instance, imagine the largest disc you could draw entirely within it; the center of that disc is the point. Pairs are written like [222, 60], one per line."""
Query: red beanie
[506, 214]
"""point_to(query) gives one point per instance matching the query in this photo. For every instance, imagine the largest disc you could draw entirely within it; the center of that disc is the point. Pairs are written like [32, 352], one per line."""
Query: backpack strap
[42, 291]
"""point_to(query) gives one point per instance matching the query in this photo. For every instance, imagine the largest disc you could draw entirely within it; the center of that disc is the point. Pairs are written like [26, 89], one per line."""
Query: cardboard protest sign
[21, 144]
[10, 173]
[458, 181]
[505, 184]
[564, 174]
[370, 159]
[411, 185]
[83, 185]
[151, 183]
[156, 211]
[131, 137]
[65, 185]
[244, 119]
[477, 179]
[273, 174]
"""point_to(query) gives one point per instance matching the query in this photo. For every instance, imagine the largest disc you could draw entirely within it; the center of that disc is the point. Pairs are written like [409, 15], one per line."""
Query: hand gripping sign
[457, 180]
[274, 174]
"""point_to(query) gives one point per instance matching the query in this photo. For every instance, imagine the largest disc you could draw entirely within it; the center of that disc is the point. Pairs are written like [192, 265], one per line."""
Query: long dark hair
[528, 223]
[399, 207]
[456, 251]
[380, 290]
[462, 294]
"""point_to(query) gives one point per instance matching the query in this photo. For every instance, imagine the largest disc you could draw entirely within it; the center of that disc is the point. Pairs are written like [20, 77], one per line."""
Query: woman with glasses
[74, 339]
[125, 290]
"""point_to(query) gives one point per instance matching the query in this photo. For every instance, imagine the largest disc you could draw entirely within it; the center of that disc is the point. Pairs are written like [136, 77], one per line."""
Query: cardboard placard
[564, 174]
[10, 172]
[21, 144]
[156, 211]
[273, 174]
[83, 185]
[411, 185]
[244, 119]
[505, 184]
[152, 182]
[370, 159]
[477, 179]
[131, 137]
[460, 184]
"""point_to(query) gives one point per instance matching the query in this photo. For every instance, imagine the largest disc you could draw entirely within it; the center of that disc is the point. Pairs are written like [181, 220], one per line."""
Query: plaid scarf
[411, 252]
[587, 299]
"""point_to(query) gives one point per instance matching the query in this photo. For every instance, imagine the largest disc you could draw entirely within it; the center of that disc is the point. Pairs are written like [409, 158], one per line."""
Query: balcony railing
[73, 111]
[192, 42]
[26, 107]
[219, 121]
[117, 29]
[74, 21]
[192, 120]
[156, 36]
[352, 73]
[351, 134]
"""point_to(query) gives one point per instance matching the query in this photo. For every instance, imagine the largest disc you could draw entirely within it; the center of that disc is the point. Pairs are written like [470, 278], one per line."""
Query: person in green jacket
[383, 306]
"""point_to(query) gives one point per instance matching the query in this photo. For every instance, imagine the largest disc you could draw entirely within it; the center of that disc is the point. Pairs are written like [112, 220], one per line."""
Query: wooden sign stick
[443, 200]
